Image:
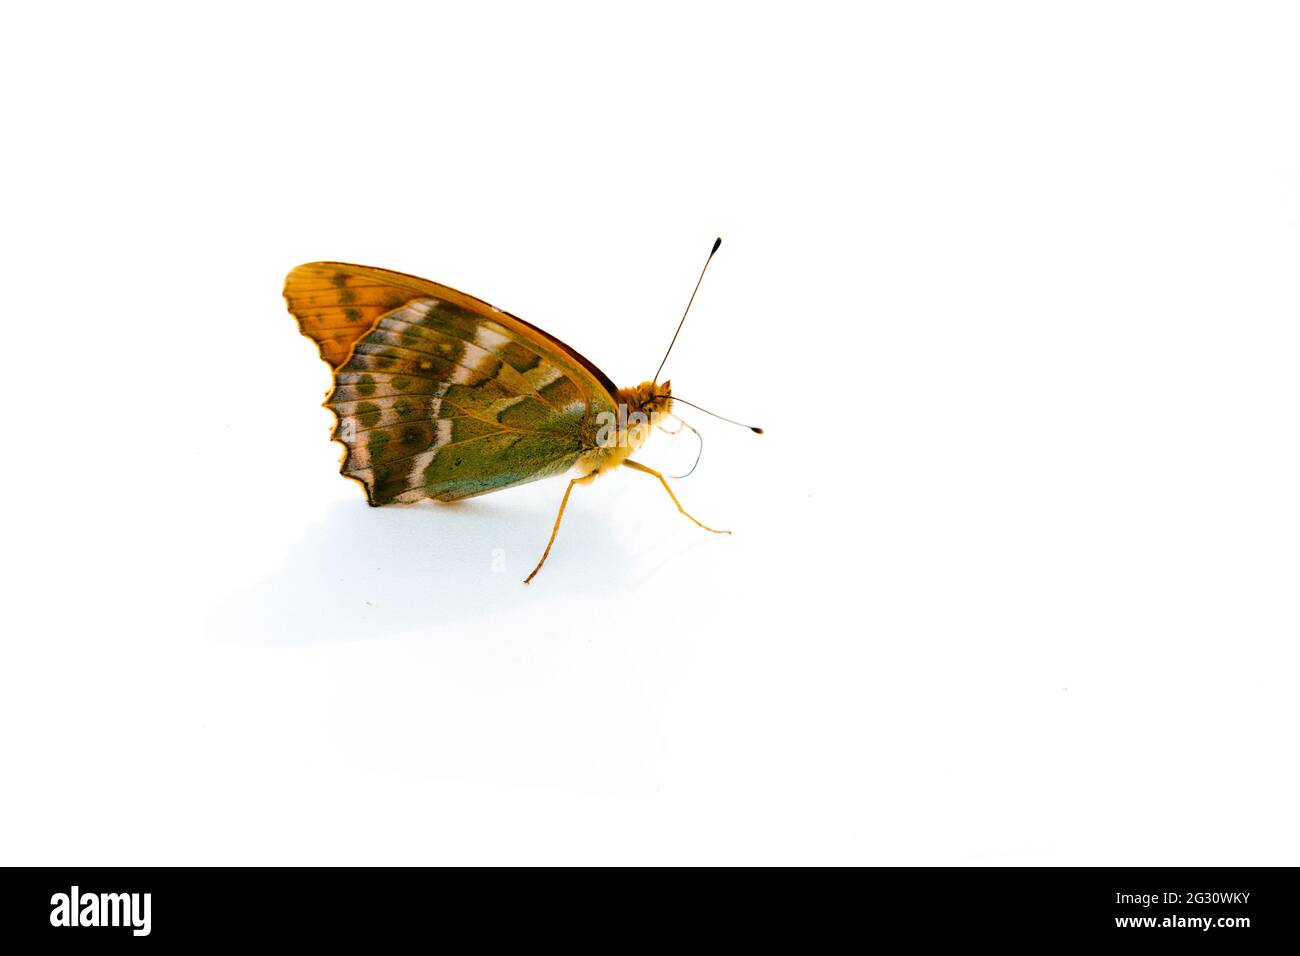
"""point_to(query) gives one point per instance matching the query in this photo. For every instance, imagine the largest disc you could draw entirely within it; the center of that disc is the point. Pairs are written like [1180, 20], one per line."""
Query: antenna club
[716, 243]
[755, 429]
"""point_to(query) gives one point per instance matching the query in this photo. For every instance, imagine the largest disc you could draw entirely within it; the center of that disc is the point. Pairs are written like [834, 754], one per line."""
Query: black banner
[1227, 908]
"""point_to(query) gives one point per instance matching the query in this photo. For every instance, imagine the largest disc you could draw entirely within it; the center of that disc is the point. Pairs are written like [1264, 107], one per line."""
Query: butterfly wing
[439, 394]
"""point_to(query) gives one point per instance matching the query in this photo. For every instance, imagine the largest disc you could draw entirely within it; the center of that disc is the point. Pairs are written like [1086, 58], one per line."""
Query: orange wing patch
[337, 304]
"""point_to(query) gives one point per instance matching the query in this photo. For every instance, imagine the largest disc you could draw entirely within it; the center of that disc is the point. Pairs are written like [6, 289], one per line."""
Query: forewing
[337, 303]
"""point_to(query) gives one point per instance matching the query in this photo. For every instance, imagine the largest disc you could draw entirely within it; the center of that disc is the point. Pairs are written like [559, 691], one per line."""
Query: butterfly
[439, 395]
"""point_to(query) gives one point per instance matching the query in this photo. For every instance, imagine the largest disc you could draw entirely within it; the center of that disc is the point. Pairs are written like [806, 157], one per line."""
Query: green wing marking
[441, 401]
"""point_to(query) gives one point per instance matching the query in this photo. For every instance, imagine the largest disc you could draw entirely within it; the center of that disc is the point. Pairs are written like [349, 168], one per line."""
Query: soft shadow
[369, 572]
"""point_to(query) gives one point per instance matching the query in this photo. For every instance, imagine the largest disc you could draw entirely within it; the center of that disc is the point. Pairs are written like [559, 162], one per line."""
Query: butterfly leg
[584, 480]
[664, 481]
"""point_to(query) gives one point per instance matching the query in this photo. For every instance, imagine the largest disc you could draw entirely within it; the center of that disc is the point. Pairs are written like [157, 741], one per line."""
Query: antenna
[753, 428]
[717, 242]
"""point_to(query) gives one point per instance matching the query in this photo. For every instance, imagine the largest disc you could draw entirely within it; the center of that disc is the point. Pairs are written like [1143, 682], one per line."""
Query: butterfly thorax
[639, 411]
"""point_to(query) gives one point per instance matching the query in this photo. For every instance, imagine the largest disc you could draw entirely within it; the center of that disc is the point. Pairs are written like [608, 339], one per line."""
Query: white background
[1012, 288]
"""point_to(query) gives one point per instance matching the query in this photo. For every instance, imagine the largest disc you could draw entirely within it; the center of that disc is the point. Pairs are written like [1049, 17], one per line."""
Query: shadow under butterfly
[360, 574]
[440, 395]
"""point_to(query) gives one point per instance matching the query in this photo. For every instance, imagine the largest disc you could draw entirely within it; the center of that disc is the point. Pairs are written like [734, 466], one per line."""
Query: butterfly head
[652, 400]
